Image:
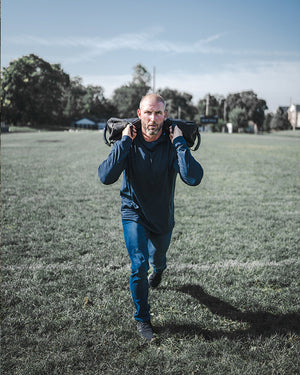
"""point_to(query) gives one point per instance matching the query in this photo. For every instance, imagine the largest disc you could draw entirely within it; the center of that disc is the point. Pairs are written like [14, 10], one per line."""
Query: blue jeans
[144, 248]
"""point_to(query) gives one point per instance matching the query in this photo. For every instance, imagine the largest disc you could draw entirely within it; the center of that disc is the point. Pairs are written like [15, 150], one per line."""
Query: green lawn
[229, 301]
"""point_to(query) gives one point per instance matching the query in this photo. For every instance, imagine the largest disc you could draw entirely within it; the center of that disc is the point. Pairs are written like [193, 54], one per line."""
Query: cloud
[275, 82]
[267, 72]
[108, 82]
[143, 41]
[85, 49]
[92, 47]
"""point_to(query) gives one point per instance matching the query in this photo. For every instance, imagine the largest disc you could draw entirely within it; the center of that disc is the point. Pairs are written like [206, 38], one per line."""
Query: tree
[280, 120]
[86, 101]
[267, 122]
[126, 98]
[238, 118]
[215, 106]
[178, 105]
[141, 77]
[95, 106]
[73, 98]
[201, 107]
[257, 112]
[32, 92]
[247, 100]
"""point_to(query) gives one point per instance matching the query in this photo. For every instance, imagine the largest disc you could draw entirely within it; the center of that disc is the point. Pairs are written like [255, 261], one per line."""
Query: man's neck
[151, 138]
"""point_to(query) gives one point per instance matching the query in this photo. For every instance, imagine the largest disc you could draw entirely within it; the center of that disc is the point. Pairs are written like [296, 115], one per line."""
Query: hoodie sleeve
[110, 169]
[188, 168]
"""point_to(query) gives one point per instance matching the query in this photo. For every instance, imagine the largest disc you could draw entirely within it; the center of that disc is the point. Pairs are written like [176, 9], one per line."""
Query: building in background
[89, 124]
[294, 115]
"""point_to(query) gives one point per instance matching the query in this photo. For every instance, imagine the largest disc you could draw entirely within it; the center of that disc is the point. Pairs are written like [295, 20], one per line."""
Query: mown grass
[229, 301]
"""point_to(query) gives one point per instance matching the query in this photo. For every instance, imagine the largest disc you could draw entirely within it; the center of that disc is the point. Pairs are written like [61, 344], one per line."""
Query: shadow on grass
[261, 323]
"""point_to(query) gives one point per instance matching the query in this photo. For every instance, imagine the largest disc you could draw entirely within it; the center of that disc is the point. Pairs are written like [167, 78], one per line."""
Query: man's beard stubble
[153, 132]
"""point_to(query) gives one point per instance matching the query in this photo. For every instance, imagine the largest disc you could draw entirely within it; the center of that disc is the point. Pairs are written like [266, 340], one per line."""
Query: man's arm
[110, 170]
[189, 169]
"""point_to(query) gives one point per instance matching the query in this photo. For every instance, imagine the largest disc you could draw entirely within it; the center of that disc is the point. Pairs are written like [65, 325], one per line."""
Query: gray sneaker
[145, 330]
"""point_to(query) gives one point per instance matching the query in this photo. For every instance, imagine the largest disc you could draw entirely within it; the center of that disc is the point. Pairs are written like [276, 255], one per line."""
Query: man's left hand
[175, 132]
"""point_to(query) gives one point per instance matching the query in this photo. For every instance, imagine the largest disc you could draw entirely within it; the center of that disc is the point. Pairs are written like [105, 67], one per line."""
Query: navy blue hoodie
[149, 174]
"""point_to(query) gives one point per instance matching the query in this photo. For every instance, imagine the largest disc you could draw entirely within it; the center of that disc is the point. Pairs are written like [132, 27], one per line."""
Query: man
[150, 160]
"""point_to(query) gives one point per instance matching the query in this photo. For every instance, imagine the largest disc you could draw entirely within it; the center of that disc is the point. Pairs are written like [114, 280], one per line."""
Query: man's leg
[137, 246]
[158, 246]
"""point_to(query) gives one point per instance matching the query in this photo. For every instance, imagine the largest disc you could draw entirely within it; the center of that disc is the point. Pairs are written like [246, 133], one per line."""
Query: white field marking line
[178, 267]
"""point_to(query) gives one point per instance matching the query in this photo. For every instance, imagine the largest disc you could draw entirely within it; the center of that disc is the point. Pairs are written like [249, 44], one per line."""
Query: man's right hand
[130, 130]
[174, 133]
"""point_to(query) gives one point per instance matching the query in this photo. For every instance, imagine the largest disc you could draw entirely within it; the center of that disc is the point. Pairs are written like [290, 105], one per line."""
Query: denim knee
[139, 265]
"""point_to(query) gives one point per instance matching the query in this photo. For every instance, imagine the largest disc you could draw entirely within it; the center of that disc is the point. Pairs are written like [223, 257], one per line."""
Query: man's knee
[139, 265]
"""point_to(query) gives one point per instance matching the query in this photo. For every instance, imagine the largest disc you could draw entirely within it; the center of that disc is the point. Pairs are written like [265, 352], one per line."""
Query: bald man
[150, 161]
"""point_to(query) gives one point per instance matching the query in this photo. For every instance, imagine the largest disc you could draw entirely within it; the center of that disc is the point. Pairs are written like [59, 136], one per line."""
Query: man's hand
[130, 130]
[175, 133]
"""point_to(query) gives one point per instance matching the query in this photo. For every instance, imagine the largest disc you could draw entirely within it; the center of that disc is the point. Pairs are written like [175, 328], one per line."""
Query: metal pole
[207, 105]
[153, 88]
[179, 112]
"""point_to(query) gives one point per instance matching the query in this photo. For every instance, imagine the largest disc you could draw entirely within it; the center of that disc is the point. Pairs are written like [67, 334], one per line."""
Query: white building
[294, 115]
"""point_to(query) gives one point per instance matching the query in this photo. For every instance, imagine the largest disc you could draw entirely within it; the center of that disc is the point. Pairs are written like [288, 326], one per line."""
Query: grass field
[230, 298]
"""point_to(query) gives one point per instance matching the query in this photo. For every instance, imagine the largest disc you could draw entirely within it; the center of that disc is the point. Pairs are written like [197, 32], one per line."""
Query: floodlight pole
[207, 105]
[179, 112]
[153, 79]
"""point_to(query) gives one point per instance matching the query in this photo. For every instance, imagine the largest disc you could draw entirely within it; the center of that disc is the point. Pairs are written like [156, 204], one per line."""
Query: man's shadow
[260, 323]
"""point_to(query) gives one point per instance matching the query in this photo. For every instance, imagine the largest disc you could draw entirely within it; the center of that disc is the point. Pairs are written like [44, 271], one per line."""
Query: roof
[85, 121]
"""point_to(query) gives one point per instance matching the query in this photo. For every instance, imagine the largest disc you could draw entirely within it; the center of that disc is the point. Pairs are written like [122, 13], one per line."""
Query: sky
[195, 46]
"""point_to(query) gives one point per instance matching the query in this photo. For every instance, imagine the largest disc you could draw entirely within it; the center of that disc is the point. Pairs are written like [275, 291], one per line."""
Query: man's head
[152, 114]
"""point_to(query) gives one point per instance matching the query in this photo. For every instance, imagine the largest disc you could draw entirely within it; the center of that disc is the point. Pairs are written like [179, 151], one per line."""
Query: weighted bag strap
[104, 136]
[198, 142]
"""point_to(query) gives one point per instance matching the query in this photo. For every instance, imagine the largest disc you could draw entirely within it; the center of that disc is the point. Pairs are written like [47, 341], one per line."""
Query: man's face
[152, 115]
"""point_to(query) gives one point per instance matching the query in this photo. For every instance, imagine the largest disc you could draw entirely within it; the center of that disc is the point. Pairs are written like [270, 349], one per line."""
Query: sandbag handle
[198, 142]
[198, 134]
[104, 136]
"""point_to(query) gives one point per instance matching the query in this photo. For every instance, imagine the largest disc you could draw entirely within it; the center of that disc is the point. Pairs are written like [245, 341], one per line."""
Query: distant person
[150, 160]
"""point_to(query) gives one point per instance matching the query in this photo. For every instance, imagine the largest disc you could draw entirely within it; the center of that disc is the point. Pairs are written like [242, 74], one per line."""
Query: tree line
[39, 94]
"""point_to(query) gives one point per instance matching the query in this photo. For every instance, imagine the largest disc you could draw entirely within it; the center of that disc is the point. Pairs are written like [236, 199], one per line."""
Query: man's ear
[139, 113]
[165, 115]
